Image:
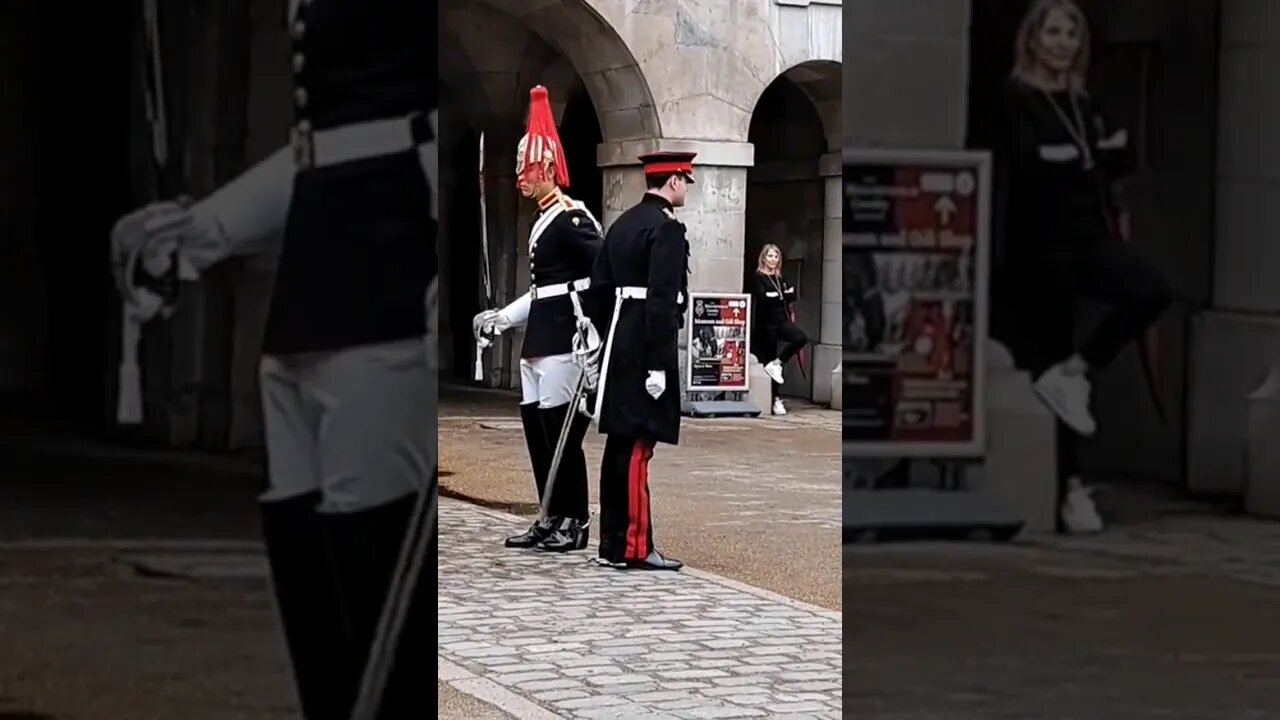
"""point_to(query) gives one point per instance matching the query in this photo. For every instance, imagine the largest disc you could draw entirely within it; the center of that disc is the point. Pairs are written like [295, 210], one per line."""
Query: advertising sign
[916, 244]
[719, 342]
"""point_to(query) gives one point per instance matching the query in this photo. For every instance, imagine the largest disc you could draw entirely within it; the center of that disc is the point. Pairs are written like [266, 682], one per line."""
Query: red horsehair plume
[541, 143]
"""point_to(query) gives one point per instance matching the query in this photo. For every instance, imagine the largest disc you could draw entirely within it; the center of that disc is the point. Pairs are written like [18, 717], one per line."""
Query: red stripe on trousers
[638, 503]
[643, 533]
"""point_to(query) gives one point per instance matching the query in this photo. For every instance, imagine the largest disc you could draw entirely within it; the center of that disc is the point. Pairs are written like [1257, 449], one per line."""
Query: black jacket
[645, 247]
[563, 251]
[771, 298]
[360, 242]
[1047, 200]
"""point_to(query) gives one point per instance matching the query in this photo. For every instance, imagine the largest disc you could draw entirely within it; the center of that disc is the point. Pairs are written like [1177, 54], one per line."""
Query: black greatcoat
[645, 247]
[563, 251]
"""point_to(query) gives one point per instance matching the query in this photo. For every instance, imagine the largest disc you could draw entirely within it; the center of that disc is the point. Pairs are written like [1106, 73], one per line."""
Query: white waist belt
[620, 295]
[357, 141]
[631, 292]
[543, 292]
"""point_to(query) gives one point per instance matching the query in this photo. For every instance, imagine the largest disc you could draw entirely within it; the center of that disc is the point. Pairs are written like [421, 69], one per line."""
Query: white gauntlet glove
[656, 384]
[489, 324]
[483, 327]
[144, 246]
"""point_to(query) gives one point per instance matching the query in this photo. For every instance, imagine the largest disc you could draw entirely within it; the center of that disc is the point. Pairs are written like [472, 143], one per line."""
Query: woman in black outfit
[772, 297]
[1060, 163]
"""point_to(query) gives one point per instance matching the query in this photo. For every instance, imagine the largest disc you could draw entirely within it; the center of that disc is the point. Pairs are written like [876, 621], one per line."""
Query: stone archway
[492, 52]
[793, 202]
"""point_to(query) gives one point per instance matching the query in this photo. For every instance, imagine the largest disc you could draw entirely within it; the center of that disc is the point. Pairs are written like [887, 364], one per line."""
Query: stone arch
[492, 52]
[490, 38]
[795, 131]
[820, 81]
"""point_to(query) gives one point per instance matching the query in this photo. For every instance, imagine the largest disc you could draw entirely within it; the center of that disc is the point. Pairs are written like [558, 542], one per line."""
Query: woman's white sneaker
[1079, 513]
[778, 407]
[774, 370]
[1067, 395]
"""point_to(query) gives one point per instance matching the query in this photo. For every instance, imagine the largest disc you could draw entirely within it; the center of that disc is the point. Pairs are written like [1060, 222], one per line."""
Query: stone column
[827, 348]
[715, 211]
[1235, 342]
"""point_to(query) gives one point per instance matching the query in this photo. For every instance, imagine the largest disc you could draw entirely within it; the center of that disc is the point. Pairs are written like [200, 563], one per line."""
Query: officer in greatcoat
[563, 245]
[640, 282]
[348, 372]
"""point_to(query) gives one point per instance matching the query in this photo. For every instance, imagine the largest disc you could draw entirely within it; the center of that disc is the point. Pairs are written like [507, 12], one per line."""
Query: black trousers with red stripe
[626, 532]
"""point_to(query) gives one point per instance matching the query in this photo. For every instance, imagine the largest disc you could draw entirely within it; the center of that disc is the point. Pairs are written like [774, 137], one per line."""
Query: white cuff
[517, 313]
[244, 217]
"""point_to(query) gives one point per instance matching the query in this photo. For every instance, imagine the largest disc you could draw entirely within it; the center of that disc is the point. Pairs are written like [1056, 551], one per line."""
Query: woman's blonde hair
[760, 268]
[1024, 52]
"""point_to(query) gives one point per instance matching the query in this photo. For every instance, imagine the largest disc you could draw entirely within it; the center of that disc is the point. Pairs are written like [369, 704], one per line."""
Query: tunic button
[304, 125]
[299, 60]
[300, 97]
[299, 30]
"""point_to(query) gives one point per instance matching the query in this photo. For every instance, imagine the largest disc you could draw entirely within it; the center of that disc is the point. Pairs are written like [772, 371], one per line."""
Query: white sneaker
[1068, 397]
[778, 407]
[1079, 514]
[774, 371]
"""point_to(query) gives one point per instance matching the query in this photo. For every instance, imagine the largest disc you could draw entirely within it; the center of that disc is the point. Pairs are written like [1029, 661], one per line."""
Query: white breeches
[359, 425]
[549, 381]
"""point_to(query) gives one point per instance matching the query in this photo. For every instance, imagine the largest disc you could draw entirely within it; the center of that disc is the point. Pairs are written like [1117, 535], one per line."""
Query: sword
[484, 267]
[129, 372]
[561, 441]
[578, 391]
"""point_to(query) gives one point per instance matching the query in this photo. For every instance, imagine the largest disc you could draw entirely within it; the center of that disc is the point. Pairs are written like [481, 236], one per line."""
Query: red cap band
[668, 168]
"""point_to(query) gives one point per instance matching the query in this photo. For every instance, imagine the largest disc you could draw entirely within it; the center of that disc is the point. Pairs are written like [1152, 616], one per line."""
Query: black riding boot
[306, 590]
[568, 504]
[367, 545]
[540, 449]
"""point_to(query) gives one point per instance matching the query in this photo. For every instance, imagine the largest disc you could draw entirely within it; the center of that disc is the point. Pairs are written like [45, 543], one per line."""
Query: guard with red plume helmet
[557, 360]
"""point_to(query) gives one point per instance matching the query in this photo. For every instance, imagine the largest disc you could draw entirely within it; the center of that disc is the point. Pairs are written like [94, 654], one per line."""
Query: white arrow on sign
[945, 208]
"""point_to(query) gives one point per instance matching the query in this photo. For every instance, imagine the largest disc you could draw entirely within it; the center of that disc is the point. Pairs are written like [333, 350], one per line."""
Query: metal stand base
[722, 408]
[921, 514]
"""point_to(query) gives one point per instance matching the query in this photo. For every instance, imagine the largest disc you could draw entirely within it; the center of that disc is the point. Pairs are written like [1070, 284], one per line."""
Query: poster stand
[916, 254]
[719, 341]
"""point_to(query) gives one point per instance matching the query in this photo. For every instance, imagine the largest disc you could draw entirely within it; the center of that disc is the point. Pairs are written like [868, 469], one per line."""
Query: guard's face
[535, 177]
[1058, 42]
[531, 180]
[679, 189]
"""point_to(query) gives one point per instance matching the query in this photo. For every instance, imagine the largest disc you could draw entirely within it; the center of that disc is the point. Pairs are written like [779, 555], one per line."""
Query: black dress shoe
[655, 561]
[536, 533]
[570, 534]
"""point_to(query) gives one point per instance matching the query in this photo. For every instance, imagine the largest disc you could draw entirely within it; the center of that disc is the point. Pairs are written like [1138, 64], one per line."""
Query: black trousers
[791, 338]
[1037, 318]
[1050, 283]
[626, 528]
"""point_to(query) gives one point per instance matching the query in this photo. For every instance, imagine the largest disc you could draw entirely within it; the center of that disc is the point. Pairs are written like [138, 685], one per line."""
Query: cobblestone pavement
[622, 644]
